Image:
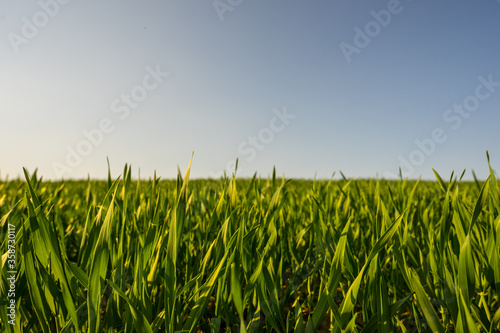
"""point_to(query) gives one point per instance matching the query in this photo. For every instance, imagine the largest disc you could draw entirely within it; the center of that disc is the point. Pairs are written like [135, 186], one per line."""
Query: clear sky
[311, 87]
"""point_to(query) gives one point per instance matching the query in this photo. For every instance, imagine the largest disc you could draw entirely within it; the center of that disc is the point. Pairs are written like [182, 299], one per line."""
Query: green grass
[252, 255]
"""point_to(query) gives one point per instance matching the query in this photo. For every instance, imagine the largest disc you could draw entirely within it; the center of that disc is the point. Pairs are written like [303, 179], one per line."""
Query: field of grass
[251, 255]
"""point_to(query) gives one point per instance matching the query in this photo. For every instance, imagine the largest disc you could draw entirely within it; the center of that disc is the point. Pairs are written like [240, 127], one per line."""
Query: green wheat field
[250, 255]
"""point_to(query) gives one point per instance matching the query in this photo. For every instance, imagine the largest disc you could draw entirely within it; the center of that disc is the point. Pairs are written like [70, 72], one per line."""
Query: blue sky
[310, 87]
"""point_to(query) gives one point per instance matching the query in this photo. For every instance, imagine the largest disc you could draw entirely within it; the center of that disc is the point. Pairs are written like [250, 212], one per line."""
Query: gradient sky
[233, 66]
